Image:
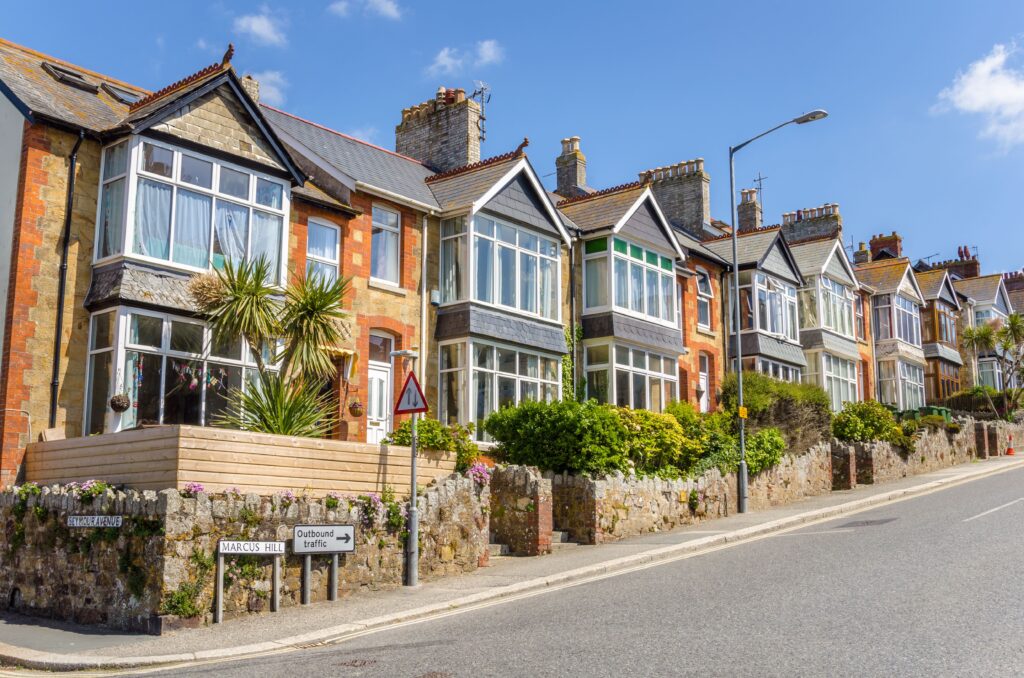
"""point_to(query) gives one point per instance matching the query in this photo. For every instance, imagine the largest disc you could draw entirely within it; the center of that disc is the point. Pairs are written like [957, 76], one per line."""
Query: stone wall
[159, 565]
[521, 510]
[794, 478]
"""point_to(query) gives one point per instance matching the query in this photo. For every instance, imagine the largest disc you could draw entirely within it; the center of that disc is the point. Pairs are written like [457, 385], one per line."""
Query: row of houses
[112, 196]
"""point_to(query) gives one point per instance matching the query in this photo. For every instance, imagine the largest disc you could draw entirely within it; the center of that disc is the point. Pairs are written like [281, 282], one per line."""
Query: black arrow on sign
[345, 538]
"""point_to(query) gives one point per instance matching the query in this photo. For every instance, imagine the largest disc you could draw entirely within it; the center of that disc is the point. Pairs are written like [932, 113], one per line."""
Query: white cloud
[339, 8]
[994, 89]
[272, 87]
[388, 9]
[367, 133]
[263, 28]
[448, 61]
[202, 44]
[489, 52]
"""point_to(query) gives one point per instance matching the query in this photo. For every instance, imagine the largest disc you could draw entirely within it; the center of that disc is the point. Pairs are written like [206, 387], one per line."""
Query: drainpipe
[62, 279]
[424, 294]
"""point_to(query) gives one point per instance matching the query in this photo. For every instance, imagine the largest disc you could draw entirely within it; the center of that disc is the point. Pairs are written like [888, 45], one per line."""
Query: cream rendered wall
[11, 127]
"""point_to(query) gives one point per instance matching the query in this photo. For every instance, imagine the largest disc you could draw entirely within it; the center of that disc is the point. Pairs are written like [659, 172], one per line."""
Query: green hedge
[870, 420]
[802, 412]
[433, 435]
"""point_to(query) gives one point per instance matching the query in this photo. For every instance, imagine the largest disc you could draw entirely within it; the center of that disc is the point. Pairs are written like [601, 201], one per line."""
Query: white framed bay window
[631, 377]
[767, 305]
[171, 368]
[180, 208]
[840, 380]
[629, 278]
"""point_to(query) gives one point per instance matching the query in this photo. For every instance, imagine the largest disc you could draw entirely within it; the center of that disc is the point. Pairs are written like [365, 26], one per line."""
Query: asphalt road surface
[925, 587]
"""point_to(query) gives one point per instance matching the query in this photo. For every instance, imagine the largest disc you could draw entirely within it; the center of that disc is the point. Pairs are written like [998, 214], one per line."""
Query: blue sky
[925, 136]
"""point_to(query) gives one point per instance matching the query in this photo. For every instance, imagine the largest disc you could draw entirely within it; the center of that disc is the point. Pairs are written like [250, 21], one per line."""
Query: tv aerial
[482, 94]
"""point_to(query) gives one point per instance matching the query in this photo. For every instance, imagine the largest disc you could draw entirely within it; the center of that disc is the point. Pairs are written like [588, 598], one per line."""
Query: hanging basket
[355, 408]
[120, 403]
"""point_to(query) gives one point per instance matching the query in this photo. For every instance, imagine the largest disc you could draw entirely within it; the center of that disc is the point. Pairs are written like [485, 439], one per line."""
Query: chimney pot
[571, 169]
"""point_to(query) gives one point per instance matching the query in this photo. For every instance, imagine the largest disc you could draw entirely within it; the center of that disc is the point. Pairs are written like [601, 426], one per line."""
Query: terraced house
[940, 318]
[114, 196]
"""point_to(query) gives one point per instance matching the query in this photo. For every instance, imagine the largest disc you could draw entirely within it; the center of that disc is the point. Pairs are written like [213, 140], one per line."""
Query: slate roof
[885, 276]
[930, 282]
[309, 191]
[756, 344]
[1016, 300]
[751, 246]
[983, 289]
[943, 352]
[697, 248]
[372, 165]
[810, 256]
[463, 188]
[139, 284]
[603, 209]
[40, 94]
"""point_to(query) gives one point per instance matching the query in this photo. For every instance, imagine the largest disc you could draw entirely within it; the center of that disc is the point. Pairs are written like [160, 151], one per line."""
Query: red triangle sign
[412, 399]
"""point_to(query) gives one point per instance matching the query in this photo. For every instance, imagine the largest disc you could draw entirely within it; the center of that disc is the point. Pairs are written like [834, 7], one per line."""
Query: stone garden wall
[521, 510]
[158, 567]
[795, 477]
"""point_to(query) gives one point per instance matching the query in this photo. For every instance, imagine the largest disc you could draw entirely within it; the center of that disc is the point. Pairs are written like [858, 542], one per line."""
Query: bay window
[639, 282]
[505, 376]
[187, 209]
[840, 380]
[631, 377]
[777, 370]
[837, 307]
[515, 268]
[881, 307]
[384, 245]
[990, 373]
[912, 378]
[887, 383]
[453, 261]
[704, 296]
[947, 325]
[776, 307]
[908, 320]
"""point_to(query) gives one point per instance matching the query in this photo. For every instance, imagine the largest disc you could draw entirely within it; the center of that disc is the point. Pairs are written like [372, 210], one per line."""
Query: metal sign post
[322, 539]
[411, 401]
[274, 549]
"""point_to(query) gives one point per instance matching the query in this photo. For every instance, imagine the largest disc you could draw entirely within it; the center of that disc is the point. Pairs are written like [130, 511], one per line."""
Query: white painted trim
[395, 197]
[531, 176]
[665, 226]
[397, 284]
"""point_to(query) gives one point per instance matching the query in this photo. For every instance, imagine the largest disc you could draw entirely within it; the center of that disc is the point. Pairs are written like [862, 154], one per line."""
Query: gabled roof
[611, 208]
[753, 247]
[984, 289]
[887, 275]
[696, 247]
[376, 169]
[931, 284]
[813, 256]
[1016, 300]
[462, 187]
[38, 94]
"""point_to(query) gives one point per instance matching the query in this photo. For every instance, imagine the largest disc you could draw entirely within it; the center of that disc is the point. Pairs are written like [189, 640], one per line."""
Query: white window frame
[789, 318]
[778, 370]
[336, 262]
[135, 173]
[704, 298]
[908, 380]
[836, 307]
[840, 380]
[398, 248]
[610, 368]
[908, 310]
[465, 236]
[612, 254]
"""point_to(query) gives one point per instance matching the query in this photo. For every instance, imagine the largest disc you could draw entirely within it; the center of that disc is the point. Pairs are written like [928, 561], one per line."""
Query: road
[925, 587]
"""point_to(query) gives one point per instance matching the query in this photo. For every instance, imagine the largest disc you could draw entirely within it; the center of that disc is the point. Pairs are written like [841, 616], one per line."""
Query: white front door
[702, 383]
[378, 407]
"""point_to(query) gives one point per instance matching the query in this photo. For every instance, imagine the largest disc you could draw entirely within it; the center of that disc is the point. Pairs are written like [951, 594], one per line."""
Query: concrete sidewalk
[40, 644]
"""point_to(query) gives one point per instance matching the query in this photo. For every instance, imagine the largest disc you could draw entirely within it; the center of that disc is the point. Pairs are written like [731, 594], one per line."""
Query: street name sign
[412, 399]
[95, 521]
[324, 539]
[251, 548]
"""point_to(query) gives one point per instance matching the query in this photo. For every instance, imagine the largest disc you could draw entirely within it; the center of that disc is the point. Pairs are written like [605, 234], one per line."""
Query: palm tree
[290, 336]
[978, 340]
[1006, 341]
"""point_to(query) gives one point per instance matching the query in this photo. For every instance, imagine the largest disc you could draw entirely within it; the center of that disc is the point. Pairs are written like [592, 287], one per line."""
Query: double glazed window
[631, 377]
[778, 370]
[323, 250]
[837, 307]
[384, 245]
[769, 306]
[704, 295]
[912, 378]
[515, 268]
[187, 209]
[840, 380]
[990, 373]
[901, 319]
[640, 282]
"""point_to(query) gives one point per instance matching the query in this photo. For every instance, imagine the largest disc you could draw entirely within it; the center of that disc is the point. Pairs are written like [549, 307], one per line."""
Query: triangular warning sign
[411, 400]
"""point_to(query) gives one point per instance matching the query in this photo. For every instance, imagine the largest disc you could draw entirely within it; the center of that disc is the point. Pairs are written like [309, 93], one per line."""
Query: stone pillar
[844, 467]
[981, 439]
[521, 510]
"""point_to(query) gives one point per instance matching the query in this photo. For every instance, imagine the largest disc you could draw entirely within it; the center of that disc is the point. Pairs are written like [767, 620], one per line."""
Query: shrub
[802, 412]
[433, 435]
[561, 436]
[868, 420]
[656, 442]
[764, 449]
[935, 422]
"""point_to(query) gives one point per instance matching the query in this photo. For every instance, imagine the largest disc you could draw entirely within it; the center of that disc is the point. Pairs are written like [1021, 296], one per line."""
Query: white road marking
[985, 513]
[840, 530]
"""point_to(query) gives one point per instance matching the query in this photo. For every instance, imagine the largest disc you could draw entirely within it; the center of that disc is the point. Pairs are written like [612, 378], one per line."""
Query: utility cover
[411, 400]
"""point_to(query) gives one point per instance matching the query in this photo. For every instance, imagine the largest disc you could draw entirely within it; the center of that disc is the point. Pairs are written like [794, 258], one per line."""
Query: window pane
[506, 234]
[183, 382]
[197, 172]
[549, 392]
[636, 281]
[145, 330]
[327, 272]
[102, 331]
[527, 282]
[384, 254]
[451, 356]
[380, 348]
[528, 241]
[99, 391]
[452, 388]
[597, 385]
[548, 288]
[639, 392]
[115, 160]
[322, 241]
[142, 385]
[192, 229]
[596, 273]
[506, 360]
[621, 355]
[483, 399]
[639, 359]
[506, 276]
[653, 289]
[594, 246]
[220, 381]
[529, 365]
[453, 226]
[186, 337]
[549, 369]
[527, 390]
[112, 218]
[152, 219]
[622, 388]
[484, 254]
[668, 301]
[506, 391]
[483, 356]
[654, 395]
[234, 183]
[266, 241]
[230, 234]
[269, 193]
[597, 355]
[157, 160]
[231, 348]
[621, 269]
[385, 218]
[484, 226]
[548, 248]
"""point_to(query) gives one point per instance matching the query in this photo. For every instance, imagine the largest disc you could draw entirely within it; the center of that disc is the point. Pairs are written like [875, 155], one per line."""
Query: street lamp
[412, 544]
[816, 114]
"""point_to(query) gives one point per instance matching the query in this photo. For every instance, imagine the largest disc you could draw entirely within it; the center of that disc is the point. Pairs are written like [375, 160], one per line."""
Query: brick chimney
[571, 168]
[862, 255]
[893, 243]
[748, 212]
[443, 133]
[813, 223]
[684, 192]
[251, 86]
[1014, 280]
[966, 264]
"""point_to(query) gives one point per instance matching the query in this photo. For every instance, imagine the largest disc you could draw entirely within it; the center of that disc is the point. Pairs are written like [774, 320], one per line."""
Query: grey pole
[413, 547]
[741, 491]
[307, 574]
[218, 590]
[275, 595]
[332, 587]
[817, 114]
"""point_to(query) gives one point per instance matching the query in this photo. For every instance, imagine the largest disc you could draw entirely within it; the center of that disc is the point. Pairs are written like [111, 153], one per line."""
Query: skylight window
[123, 95]
[69, 77]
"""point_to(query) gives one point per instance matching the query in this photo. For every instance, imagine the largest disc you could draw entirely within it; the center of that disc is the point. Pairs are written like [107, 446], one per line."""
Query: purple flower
[192, 489]
[479, 473]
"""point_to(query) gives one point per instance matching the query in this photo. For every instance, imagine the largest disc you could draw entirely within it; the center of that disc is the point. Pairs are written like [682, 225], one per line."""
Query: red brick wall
[867, 353]
[699, 341]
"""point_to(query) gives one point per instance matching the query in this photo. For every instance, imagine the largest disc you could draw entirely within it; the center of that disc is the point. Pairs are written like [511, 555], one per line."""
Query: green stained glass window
[594, 246]
[620, 246]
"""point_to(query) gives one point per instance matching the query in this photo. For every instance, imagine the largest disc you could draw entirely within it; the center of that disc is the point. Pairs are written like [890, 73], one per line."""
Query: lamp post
[412, 543]
[817, 114]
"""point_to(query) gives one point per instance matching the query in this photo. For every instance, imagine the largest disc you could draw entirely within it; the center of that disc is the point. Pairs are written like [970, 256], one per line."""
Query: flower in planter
[332, 500]
[192, 489]
[355, 407]
[286, 498]
[479, 473]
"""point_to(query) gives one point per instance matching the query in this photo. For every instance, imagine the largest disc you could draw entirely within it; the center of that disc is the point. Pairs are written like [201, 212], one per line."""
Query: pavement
[34, 644]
